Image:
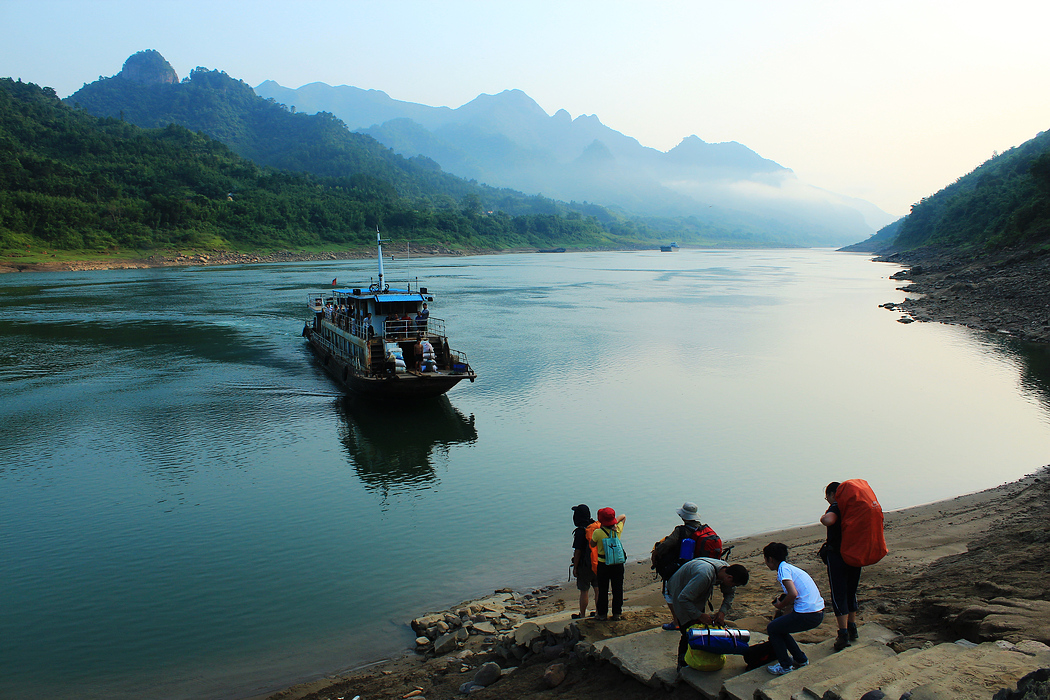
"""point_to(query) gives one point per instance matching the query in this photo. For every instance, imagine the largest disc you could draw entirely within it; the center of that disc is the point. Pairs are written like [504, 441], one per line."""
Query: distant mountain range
[507, 140]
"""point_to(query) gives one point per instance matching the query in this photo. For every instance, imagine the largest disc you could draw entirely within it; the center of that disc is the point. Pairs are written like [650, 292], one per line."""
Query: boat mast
[379, 244]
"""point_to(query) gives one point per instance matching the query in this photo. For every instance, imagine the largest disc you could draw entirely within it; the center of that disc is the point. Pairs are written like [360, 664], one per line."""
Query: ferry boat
[382, 342]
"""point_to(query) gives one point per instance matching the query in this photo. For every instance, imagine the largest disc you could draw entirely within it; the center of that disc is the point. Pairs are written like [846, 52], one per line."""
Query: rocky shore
[1007, 293]
[973, 567]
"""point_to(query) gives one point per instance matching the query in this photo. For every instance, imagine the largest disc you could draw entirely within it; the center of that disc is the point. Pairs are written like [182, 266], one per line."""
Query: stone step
[743, 687]
[709, 684]
[976, 673]
[830, 666]
[926, 663]
[649, 656]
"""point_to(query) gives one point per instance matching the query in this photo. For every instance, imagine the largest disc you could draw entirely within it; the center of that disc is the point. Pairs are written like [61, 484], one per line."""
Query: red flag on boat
[333, 281]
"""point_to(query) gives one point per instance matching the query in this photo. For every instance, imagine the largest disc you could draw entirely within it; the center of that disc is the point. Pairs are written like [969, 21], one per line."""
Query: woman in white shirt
[800, 608]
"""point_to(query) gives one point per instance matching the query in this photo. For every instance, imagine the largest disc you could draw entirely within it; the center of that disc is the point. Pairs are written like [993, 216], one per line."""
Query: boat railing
[394, 328]
[401, 328]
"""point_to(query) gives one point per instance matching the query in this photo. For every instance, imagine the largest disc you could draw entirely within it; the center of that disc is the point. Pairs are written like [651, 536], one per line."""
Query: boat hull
[398, 387]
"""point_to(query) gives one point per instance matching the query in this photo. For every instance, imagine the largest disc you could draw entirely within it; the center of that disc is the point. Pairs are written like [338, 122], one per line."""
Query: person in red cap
[608, 573]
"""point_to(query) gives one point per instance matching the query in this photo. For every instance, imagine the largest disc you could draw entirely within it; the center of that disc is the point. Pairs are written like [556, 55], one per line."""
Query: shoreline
[953, 568]
[194, 258]
[1008, 293]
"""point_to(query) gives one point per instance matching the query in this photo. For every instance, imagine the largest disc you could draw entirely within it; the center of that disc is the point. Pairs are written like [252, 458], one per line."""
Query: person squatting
[692, 562]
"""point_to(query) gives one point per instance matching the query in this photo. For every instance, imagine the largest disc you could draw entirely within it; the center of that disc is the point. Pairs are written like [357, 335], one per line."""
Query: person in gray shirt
[691, 589]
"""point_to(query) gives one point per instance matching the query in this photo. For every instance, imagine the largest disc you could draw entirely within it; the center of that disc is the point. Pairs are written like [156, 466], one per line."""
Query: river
[190, 508]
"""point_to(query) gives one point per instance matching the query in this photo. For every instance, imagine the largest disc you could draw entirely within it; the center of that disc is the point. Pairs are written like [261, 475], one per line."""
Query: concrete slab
[928, 664]
[830, 666]
[743, 687]
[976, 673]
[709, 685]
[650, 656]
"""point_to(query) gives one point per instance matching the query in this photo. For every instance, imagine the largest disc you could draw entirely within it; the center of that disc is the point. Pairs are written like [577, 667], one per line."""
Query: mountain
[73, 181]
[272, 134]
[507, 140]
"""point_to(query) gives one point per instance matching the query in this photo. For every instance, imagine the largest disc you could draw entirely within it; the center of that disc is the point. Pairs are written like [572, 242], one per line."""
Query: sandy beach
[975, 567]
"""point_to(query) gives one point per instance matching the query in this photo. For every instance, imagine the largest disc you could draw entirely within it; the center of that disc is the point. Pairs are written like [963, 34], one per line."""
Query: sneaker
[800, 665]
[670, 626]
[778, 670]
[842, 641]
[601, 618]
[615, 618]
[851, 630]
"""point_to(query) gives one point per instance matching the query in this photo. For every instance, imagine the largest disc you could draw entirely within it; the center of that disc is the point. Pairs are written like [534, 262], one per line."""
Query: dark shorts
[584, 578]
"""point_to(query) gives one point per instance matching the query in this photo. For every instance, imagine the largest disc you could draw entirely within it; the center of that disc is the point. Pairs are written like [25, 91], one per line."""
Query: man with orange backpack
[584, 555]
[855, 539]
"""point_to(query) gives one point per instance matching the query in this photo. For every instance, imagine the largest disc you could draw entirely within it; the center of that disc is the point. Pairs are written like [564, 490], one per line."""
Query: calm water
[189, 508]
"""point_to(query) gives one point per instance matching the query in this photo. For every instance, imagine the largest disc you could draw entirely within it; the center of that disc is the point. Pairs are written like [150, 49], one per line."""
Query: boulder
[488, 674]
[555, 675]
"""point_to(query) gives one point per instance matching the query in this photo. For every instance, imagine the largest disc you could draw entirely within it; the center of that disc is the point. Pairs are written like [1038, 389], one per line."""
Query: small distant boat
[382, 342]
[551, 250]
[666, 249]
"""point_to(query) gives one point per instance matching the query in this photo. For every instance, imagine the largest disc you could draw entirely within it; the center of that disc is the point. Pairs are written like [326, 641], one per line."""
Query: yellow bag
[704, 660]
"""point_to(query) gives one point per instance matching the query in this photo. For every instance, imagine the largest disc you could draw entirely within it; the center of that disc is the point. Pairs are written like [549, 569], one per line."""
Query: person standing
[843, 579]
[800, 608]
[666, 553]
[691, 589]
[608, 575]
[584, 556]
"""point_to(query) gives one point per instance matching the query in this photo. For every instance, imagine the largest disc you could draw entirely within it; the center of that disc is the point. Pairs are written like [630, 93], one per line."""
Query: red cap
[607, 516]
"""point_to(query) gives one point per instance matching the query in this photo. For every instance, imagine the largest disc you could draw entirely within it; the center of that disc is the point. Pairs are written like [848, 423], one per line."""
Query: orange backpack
[594, 550]
[863, 541]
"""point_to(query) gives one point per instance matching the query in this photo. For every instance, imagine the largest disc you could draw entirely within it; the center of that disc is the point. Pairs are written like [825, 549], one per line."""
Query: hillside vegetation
[69, 180]
[1003, 204]
[978, 251]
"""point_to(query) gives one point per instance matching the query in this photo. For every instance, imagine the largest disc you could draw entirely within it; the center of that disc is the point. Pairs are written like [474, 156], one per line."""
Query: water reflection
[1035, 373]
[395, 448]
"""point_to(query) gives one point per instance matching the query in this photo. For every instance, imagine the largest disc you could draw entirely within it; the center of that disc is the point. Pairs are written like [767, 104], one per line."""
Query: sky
[885, 101]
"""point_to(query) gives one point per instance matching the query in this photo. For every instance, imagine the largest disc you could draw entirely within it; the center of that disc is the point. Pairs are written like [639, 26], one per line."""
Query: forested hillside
[69, 180]
[1003, 203]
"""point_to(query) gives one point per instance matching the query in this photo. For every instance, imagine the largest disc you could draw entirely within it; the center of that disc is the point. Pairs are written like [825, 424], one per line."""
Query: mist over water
[189, 507]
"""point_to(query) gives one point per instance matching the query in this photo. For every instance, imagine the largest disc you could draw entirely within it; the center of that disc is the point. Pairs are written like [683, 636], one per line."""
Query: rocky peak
[148, 67]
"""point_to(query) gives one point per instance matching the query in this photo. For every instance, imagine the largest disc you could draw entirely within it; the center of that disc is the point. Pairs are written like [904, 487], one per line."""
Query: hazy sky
[887, 101]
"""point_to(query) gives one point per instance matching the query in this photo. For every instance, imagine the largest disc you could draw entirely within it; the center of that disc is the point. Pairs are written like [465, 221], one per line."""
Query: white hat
[688, 512]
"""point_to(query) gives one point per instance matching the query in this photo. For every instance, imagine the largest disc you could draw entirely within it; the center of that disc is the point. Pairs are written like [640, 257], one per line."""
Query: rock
[422, 641]
[449, 642]
[553, 651]
[488, 674]
[466, 687]
[526, 634]
[554, 675]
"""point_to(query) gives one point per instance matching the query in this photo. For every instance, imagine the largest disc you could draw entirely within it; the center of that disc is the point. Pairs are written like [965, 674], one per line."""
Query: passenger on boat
[421, 319]
[367, 332]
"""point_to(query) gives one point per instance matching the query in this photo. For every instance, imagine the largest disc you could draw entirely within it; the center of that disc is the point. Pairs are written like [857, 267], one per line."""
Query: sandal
[576, 616]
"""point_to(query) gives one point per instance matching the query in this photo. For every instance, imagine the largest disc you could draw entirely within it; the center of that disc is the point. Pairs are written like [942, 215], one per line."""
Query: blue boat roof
[391, 295]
